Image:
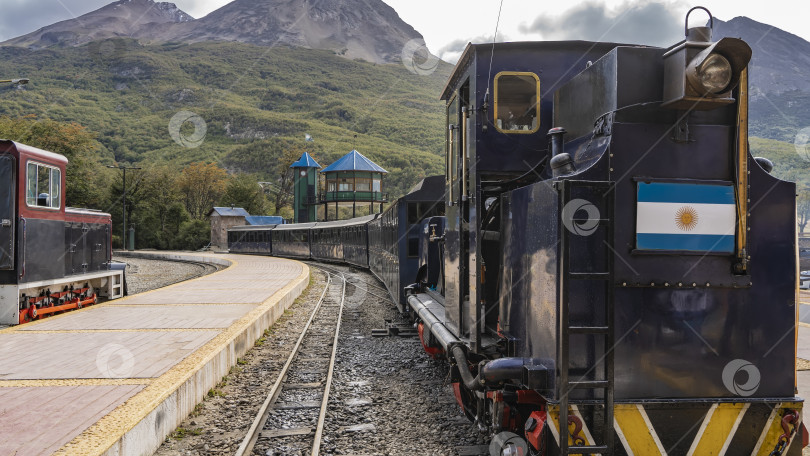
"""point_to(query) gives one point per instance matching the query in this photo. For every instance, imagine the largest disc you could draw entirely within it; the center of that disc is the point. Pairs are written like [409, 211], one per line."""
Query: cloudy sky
[449, 24]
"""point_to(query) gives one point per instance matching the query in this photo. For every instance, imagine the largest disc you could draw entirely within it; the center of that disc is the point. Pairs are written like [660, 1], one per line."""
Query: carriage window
[517, 108]
[43, 186]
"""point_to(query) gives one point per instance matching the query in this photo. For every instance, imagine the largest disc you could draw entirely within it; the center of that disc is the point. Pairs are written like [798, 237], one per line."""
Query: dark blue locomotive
[614, 258]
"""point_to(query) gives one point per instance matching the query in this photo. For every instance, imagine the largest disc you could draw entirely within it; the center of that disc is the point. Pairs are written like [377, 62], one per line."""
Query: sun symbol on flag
[686, 218]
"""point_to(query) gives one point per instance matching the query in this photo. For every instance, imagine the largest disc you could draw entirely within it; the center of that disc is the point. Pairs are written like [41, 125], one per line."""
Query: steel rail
[316, 446]
[386, 296]
[252, 436]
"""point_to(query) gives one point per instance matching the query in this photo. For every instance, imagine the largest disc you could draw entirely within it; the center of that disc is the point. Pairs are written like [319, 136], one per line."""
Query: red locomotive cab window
[43, 186]
[517, 106]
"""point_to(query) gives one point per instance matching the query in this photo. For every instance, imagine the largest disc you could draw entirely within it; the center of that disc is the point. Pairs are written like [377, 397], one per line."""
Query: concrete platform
[117, 378]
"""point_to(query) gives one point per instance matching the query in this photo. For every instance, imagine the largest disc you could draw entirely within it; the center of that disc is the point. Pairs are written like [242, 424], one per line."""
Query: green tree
[243, 190]
[193, 235]
[202, 185]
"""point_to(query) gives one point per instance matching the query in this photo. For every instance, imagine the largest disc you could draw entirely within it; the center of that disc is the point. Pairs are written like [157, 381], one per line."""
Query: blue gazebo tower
[305, 182]
[350, 180]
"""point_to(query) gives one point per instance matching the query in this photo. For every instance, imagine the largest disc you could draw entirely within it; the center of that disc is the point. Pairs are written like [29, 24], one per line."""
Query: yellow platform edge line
[15, 328]
[116, 330]
[110, 429]
[40, 383]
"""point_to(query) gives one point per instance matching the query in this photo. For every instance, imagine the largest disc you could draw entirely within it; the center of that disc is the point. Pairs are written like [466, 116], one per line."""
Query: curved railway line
[304, 383]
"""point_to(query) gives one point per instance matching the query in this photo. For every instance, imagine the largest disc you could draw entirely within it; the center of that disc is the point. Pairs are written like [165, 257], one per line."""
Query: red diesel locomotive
[52, 258]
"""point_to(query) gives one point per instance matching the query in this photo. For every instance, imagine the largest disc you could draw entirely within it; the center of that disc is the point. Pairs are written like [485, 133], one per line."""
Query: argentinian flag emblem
[693, 217]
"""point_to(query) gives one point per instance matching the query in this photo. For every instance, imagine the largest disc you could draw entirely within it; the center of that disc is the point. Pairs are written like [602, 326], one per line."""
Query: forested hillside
[245, 109]
[246, 95]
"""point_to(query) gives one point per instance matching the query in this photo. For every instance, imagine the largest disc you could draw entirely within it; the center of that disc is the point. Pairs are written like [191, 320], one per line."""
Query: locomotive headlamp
[713, 75]
[700, 74]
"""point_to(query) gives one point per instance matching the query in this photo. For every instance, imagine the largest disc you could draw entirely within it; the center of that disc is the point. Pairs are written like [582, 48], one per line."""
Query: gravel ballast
[145, 274]
[387, 398]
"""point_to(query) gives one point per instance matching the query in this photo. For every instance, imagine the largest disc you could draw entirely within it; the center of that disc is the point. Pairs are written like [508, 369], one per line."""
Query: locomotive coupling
[700, 74]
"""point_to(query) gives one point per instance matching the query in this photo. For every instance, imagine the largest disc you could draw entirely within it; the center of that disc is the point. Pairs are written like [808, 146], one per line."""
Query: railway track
[292, 416]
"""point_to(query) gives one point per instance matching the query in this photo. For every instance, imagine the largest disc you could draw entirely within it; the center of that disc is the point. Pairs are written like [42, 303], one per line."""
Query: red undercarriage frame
[43, 306]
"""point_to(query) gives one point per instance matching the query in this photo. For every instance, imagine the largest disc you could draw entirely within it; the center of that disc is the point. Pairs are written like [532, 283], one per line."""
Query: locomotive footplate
[395, 329]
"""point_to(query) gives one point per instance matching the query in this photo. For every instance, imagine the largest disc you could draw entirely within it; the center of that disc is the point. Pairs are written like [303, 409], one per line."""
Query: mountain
[364, 29]
[124, 18]
[780, 60]
[780, 88]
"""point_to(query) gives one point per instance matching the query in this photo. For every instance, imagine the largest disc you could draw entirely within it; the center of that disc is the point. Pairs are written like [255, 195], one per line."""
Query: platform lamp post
[124, 204]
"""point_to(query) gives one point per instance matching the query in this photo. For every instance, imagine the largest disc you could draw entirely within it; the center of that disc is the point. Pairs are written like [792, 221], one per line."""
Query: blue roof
[264, 220]
[306, 161]
[229, 212]
[354, 161]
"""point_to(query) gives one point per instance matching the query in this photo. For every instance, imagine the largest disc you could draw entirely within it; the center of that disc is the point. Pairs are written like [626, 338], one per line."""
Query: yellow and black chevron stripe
[704, 429]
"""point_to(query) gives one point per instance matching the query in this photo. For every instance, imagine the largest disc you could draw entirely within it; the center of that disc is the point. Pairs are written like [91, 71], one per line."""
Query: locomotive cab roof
[21, 150]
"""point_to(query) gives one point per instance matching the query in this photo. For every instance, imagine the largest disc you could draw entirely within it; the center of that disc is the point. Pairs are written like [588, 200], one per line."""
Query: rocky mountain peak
[364, 29]
[780, 60]
[124, 18]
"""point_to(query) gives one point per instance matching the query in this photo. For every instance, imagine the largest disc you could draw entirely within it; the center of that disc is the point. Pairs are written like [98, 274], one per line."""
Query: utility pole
[124, 204]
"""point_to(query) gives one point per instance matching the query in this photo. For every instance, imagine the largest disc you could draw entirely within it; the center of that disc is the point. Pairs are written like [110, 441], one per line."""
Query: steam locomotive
[614, 272]
[52, 258]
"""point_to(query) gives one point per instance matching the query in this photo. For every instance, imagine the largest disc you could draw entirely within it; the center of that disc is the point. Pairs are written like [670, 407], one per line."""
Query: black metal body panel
[431, 249]
[8, 211]
[383, 250]
[665, 326]
[251, 239]
[86, 247]
[292, 240]
[355, 245]
[41, 245]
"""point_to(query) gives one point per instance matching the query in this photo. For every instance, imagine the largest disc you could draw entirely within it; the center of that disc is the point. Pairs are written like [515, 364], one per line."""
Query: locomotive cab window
[43, 186]
[517, 106]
